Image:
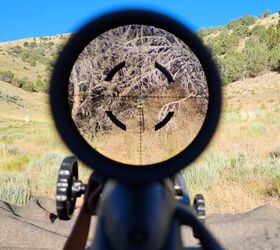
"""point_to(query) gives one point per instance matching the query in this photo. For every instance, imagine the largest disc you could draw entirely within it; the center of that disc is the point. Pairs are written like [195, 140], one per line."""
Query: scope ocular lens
[138, 95]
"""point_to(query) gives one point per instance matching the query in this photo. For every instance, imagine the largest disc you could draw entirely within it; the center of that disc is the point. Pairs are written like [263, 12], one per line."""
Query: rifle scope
[135, 95]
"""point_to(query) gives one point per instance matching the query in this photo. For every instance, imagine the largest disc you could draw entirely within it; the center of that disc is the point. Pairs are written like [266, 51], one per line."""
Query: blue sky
[28, 18]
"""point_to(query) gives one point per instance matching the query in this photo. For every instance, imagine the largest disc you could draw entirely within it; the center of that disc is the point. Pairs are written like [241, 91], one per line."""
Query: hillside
[246, 47]
[239, 171]
[27, 63]
[18, 104]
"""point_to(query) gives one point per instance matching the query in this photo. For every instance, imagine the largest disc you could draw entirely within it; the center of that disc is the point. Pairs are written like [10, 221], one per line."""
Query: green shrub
[5, 135]
[14, 188]
[271, 37]
[274, 58]
[32, 54]
[16, 50]
[248, 20]
[257, 129]
[267, 13]
[278, 25]
[224, 43]
[41, 84]
[8, 149]
[32, 63]
[260, 54]
[240, 166]
[233, 24]
[275, 153]
[59, 47]
[6, 76]
[49, 66]
[17, 82]
[257, 58]
[263, 106]
[33, 44]
[242, 21]
[241, 31]
[16, 164]
[24, 83]
[232, 67]
[207, 172]
[258, 30]
[269, 167]
[43, 171]
[205, 31]
[277, 183]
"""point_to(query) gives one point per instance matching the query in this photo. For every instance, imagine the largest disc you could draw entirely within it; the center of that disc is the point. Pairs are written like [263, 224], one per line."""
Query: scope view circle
[138, 94]
[135, 95]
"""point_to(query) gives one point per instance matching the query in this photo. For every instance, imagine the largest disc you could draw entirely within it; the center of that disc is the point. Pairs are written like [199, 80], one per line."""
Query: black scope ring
[62, 114]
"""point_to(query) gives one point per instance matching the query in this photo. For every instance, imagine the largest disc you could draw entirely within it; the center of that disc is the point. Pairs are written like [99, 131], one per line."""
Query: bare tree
[143, 50]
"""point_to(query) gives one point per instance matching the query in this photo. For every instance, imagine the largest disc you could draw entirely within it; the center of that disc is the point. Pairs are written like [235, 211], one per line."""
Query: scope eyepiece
[135, 95]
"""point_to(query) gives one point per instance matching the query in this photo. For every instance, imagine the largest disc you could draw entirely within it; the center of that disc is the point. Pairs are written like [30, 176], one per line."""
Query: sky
[29, 18]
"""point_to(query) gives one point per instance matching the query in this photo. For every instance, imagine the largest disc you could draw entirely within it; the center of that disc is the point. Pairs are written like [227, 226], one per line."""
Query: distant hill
[27, 63]
[246, 47]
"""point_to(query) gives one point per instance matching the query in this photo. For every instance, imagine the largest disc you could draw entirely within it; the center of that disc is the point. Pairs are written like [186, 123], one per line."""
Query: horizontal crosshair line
[108, 96]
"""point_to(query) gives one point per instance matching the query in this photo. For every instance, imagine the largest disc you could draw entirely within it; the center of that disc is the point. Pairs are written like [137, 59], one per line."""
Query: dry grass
[239, 171]
[30, 150]
[155, 146]
[247, 172]
[234, 197]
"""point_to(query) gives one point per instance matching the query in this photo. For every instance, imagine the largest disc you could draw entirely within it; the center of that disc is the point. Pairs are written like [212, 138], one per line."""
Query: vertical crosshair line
[140, 136]
[140, 99]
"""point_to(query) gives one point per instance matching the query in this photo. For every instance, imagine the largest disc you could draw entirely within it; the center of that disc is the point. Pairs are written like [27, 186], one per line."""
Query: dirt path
[34, 227]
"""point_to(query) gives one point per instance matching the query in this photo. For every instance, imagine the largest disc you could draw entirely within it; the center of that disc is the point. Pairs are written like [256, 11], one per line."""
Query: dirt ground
[31, 227]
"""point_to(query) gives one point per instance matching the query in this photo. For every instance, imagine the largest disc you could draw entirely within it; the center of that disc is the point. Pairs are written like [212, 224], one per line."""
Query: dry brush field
[239, 170]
